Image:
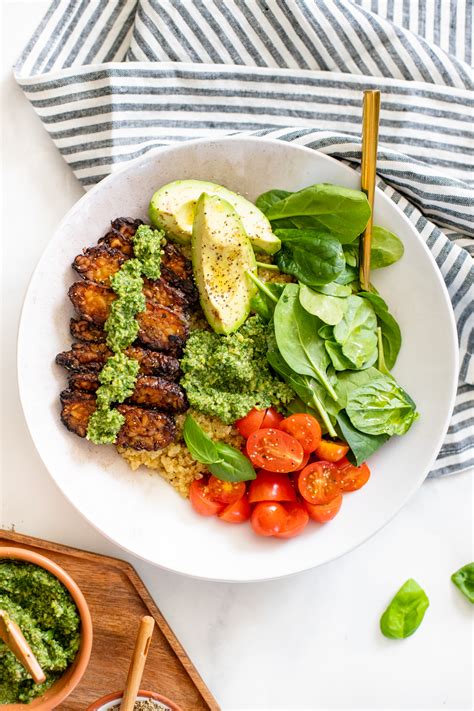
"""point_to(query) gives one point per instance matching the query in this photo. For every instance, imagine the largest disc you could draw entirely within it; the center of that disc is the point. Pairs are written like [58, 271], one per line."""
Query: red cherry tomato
[317, 484]
[296, 520]
[268, 518]
[304, 462]
[274, 451]
[201, 499]
[226, 492]
[251, 422]
[238, 512]
[331, 451]
[305, 428]
[271, 486]
[272, 418]
[350, 477]
[324, 512]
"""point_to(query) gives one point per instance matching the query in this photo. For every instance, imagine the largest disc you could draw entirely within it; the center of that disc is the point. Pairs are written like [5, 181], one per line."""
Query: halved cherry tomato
[323, 512]
[238, 512]
[296, 520]
[350, 477]
[226, 492]
[272, 418]
[305, 428]
[268, 518]
[317, 483]
[274, 451]
[271, 486]
[201, 499]
[251, 422]
[304, 462]
[331, 451]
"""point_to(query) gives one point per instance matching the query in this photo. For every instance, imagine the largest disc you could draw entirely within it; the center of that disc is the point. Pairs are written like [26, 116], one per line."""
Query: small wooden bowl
[64, 686]
[117, 696]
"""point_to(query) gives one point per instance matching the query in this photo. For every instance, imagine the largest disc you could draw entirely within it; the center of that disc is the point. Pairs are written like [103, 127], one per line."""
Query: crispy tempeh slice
[83, 330]
[127, 226]
[90, 357]
[177, 270]
[162, 328]
[145, 429]
[99, 263]
[116, 240]
[160, 292]
[91, 301]
[149, 391]
[77, 407]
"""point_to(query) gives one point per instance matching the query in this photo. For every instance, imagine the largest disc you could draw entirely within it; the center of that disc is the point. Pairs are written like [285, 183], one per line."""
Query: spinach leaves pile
[333, 344]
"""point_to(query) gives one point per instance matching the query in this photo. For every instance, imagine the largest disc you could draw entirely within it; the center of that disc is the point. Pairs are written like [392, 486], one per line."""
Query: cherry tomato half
[324, 512]
[296, 520]
[251, 422]
[331, 451]
[268, 518]
[271, 486]
[238, 512]
[350, 477]
[272, 418]
[201, 499]
[226, 492]
[304, 462]
[305, 428]
[317, 483]
[274, 451]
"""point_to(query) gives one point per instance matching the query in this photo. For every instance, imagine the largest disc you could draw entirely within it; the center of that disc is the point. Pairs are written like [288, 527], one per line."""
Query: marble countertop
[306, 642]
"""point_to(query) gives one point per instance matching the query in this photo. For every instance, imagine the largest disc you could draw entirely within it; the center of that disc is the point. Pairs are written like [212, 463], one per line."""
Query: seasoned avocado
[221, 254]
[172, 209]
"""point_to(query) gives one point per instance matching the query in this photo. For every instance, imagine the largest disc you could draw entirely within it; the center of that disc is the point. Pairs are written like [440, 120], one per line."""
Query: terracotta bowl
[64, 686]
[105, 701]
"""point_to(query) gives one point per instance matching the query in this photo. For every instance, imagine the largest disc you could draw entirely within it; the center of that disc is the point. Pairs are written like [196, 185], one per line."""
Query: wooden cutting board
[117, 600]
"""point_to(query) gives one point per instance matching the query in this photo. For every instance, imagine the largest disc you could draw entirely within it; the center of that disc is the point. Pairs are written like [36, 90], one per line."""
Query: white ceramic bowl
[141, 512]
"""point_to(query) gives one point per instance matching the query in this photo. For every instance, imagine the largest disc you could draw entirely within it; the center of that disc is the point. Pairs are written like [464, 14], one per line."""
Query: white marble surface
[307, 642]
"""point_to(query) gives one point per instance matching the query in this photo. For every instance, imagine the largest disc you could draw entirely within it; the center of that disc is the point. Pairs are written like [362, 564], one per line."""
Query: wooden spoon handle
[137, 663]
[370, 136]
[16, 643]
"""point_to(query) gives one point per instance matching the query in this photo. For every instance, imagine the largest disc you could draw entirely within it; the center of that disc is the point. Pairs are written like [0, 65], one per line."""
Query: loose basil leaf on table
[313, 257]
[391, 334]
[356, 332]
[406, 611]
[464, 580]
[362, 445]
[341, 211]
[381, 407]
[329, 309]
[201, 447]
[386, 248]
[266, 200]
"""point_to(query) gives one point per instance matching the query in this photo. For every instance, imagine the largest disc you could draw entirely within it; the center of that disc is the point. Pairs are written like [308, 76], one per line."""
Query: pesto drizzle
[119, 374]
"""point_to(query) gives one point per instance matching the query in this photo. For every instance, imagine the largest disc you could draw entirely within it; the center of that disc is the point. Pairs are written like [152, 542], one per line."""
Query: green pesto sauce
[49, 620]
[119, 373]
[226, 376]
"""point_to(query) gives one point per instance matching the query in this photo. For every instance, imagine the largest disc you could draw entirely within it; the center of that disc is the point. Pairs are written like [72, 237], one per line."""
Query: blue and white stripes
[112, 79]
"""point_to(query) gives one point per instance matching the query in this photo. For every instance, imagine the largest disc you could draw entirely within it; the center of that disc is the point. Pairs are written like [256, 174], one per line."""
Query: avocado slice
[221, 254]
[172, 209]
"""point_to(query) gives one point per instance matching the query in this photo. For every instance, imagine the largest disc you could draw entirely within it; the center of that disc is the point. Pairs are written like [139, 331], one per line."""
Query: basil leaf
[341, 211]
[356, 332]
[311, 256]
[266, 200]
[381, 407]
[201, 447]
[406, 611]
[386, 248]
[391, 334]
[362, 445]
[233, 465]
[464, 580]
[329, 309]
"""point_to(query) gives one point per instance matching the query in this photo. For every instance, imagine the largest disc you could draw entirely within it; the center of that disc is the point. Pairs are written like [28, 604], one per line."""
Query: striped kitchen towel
[113, 79]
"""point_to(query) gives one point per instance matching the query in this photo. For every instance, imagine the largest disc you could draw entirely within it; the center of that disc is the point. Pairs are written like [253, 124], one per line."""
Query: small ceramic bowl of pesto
[53, 615]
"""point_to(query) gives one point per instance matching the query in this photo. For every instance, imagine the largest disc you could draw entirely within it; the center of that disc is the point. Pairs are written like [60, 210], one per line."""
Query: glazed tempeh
[145, 429]
[91, 301]
[115, 240]
[83, 330]
[77, 407]
[160, 292]
[162, 329]
[91, 357]
[99, 263]
[177, 270]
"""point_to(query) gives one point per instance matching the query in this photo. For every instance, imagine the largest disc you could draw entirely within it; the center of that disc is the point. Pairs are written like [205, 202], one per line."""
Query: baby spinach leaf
[326, 332]
[381, 407]
[296, 334]
[356, 332]
[391, 334]
[350, 256]
[348, 276]
[329, 309]
[464, 580]
[312, 257]
[338, 359]
[201, 447]
[266, 200]
[333, 289]
[341, 211]
[351, 380]
[386, 248]
[264, 301]
[362, 445]
[406, 611]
